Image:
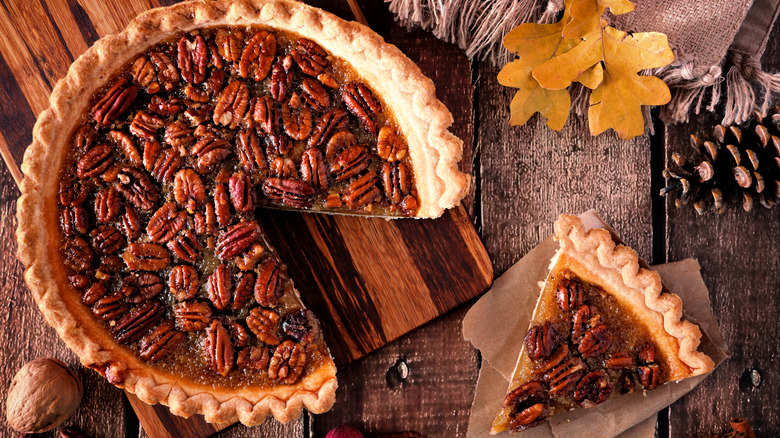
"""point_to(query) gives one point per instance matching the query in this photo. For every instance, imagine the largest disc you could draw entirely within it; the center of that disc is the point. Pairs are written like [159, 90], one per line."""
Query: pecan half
[619, 361]
[313, 169]
[183, 282]
[362, 104]
[144, 74]
[239, 335]
[192, 316]
[195, 94]
[264, 323]
[242, 193]
[232, 104]
[237, 239]
[74, 220]
[95, 161]
[131, 223]
[109, 307]
[145, 125]
[593, 389]
[647, 353]
[217, 349]
[287, 363]
[126, 145]
[311, 58]
[301, 325]
[222, 205]
[209, 151]
[350, 162]
[141, 287]
[338, 142]
[570, 295]
[243, 291]
[297, 120]
[258, 56]
[198, 115]
[109, 265]
[249, 151]
[314, 94]
[107, 204]
[254, 357]
[146, 257]
[330, 123]
[283, 168]
[106, 239]
[278, 144]
[138, 322]
[214, 84]
[165, 164]
[160, 342]
[188, 189]
[165, 106]
[362, 191]
[94, 293]
[266, 115]
[562, 378]
[80, 281]
[138, 188]
[527, 407]
[168, 75]
[220, 285]
[77, 255]
[554, 360]
[581, 320]
[84, 137]
[186, 246]
[269, 286]
[390, 146]
[595, 341]
[71, 196]
[114, 103]
[179, 135]
[396, 181]
[649, 375]
[282, 78]
[228, 45]
[294, 193]
[166, 222]
[540, 341]
[193, 59]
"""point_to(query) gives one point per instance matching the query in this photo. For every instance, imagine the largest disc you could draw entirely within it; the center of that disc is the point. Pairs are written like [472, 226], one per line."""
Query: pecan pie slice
[137, 216]
[604, 326]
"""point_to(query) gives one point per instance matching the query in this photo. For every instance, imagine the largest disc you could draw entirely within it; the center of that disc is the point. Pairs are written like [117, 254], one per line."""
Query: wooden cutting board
[370, 281]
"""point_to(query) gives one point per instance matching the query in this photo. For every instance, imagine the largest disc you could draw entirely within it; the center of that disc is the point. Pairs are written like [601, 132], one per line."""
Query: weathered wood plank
[740, 262]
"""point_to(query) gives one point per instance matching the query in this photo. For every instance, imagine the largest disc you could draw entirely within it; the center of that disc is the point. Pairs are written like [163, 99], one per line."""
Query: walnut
[42, 395]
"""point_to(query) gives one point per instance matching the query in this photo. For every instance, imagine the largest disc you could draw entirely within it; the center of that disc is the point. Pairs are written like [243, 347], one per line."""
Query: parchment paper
[497, 324]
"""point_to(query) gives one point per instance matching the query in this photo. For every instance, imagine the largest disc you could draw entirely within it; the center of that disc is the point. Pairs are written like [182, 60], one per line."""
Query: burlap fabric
[718, 44]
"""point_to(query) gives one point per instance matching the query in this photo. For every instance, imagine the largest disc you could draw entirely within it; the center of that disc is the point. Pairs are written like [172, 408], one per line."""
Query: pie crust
[593, 256]
[434, 154]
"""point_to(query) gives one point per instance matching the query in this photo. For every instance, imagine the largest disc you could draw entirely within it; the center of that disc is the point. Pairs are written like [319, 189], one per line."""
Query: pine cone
[736, 163]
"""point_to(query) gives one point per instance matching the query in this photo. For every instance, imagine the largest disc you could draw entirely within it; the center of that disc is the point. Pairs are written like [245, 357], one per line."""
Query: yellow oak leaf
[617, 102]
[534, 45]
[592, 77]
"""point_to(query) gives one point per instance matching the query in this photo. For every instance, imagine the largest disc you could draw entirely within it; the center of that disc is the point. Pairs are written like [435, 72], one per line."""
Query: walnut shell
[43, 394]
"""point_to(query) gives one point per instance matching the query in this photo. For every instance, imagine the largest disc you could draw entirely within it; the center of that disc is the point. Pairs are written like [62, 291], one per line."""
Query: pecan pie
[604, 326]
[137, 216]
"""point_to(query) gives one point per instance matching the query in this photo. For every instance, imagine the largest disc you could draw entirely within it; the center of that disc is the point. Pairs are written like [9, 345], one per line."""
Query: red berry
[344, 432]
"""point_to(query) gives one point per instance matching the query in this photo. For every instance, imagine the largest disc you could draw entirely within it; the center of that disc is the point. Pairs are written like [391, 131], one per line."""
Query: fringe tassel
[477, 26]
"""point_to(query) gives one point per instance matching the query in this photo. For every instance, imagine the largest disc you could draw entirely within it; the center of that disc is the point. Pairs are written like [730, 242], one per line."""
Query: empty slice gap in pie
[604, 326]
[137, 219]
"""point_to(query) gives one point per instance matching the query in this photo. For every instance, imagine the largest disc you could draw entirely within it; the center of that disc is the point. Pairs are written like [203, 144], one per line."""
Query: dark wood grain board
[370, 281]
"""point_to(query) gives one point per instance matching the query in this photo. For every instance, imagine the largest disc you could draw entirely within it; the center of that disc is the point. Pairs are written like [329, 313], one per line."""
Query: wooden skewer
[16, 172]
[357, 12]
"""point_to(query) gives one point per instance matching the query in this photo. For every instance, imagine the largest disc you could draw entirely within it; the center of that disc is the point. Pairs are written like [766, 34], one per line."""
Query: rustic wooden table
[524, 177]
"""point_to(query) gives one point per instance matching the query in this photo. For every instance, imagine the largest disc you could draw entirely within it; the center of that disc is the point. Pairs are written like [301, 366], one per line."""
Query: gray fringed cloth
[718, 44]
